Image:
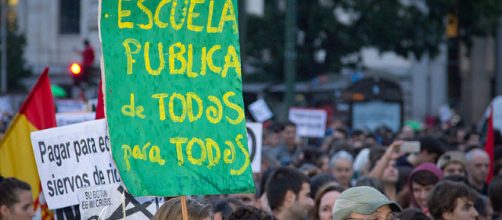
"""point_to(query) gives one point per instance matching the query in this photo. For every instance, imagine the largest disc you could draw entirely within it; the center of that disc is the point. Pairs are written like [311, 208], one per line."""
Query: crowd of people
[349, 174]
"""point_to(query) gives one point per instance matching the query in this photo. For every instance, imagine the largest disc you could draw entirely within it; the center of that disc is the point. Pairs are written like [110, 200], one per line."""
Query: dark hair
[424, 177]
[263, 180]
[289, 123]
[372, 182]
[495, 192]
[318, 181]
[341, 130]
[481, 205]
[357, 133]
[282, 180]
[172, 210]
[225, 206]
[443, 198]
[412, 214]
[457, 178]
[469, 134]
[432, 145]
[250, 213]
[376, 152]
[9, 190]
[329, 187]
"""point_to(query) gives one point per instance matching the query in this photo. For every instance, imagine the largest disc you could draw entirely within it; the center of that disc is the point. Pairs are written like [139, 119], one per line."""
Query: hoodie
[427, 167]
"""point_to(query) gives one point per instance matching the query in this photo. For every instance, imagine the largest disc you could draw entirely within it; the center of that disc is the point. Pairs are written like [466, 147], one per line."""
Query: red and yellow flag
[16, 153]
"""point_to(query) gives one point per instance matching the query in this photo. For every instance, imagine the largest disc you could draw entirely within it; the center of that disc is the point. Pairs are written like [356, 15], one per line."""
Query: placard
[309, 122]
[173, 96]
[73, 157]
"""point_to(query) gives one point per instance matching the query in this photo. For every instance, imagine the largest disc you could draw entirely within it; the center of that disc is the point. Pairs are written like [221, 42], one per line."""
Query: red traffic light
[75, 69]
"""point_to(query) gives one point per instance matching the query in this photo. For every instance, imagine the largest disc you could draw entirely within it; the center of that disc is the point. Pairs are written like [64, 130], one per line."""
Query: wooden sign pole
[184, 211]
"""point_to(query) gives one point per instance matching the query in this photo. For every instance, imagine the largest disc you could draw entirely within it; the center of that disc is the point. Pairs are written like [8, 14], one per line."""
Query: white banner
[255, 134]
[73, 157]
[309, 122]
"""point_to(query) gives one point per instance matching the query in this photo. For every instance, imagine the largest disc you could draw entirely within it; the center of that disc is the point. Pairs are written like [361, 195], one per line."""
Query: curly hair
[250, 213]
[443, 197]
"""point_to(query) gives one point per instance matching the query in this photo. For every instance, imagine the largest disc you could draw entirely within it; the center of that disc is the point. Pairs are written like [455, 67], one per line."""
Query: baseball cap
[451, 156]
[363, 200]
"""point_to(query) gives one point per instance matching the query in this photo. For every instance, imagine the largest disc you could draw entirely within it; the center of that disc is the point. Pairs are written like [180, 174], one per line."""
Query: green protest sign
[174, 96]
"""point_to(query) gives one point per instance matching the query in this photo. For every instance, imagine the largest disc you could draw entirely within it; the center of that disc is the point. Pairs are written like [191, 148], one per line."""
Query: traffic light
[77, 73]
[75, 69]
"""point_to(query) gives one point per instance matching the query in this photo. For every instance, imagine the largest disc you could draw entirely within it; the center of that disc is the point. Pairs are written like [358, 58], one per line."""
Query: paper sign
[255, 134]
[112, 202]
[97, 202]
[309, 122]
[173, 96]
[73, 157]
[260, 110]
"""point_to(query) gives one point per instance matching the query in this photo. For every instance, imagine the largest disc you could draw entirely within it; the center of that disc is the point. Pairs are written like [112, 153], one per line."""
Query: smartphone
[410, 147]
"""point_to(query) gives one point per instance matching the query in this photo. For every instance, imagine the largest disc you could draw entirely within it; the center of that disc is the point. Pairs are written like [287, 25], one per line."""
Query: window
[69, 16]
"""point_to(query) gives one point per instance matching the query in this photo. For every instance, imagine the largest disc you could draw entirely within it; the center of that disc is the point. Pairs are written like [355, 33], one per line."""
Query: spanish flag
[16, 153]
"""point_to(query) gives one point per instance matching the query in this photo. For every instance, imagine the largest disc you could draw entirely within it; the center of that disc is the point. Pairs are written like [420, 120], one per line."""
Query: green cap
[362, 200]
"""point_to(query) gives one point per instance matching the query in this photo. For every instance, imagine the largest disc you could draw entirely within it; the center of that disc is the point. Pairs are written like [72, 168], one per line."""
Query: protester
[478, 163]
[421, 182]
[16, 200]
[364, 202]
[172, 210]
[452, 163]
[382, 166]
[452, 201]
[289, 149]
[495, 195]
[324, 201]
[341, 168]
[288, 194]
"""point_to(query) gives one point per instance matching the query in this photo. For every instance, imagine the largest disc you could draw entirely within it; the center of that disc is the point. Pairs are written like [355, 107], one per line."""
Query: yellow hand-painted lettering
[137, 153]
[131, 110]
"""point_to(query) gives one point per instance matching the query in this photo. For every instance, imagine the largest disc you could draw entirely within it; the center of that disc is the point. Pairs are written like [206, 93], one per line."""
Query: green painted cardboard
[174, 96]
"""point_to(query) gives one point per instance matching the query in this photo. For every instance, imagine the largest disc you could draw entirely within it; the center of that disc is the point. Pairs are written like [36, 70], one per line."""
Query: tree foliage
[16, 65]
[331, 33]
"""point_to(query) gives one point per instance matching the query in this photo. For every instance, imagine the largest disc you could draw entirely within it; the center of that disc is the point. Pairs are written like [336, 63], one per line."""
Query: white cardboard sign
[73, 157]
[260, 110]
[309, 122]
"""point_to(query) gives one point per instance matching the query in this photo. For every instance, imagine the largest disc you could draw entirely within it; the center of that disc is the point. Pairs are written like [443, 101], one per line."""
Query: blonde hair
[171, 210]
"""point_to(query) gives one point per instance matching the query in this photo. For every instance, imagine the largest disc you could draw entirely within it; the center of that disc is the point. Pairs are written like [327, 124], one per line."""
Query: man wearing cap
[364, 202]
[452, 163]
